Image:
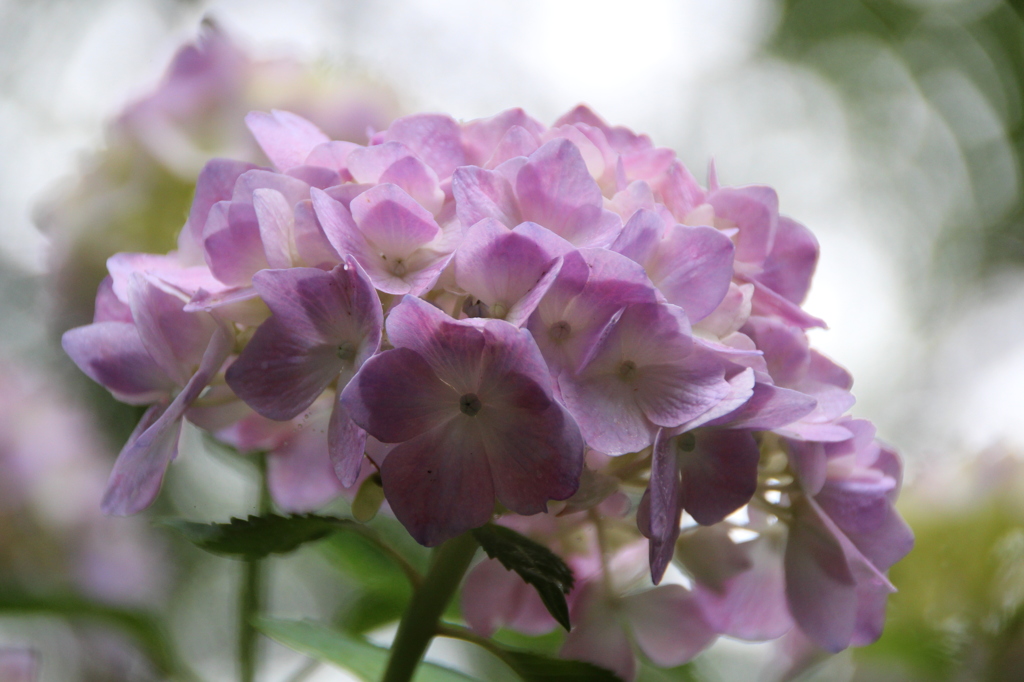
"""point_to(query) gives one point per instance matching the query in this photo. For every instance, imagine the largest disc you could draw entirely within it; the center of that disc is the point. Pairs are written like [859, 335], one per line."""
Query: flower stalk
[420, 623]
[250, 598]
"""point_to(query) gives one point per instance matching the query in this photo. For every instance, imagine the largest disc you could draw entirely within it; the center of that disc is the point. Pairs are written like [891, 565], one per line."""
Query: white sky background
[690, 73]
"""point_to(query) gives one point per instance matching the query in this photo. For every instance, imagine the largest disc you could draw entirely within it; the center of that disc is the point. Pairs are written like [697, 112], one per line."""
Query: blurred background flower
[892, 128]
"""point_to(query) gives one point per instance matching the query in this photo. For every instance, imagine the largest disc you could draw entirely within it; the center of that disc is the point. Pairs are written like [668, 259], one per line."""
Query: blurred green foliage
[965, 58]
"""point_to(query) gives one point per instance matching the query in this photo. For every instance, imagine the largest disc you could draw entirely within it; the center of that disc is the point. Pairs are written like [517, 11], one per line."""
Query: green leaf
[382, 589]
[257, 536]
[356, 655]
[535, 563]
[537, 668]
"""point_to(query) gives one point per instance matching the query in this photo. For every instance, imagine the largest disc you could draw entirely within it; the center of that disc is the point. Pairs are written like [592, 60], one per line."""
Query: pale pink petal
[693, 268]
[285, 138]
[494, 597]
[678, 188]
[668, 625]
[752, 604]
[482, 136]
[276, 220]
[333, 155]
[502, 267]
[790, 265]
[483, 194]
[755, 211]
[300, 474]
[598, 637]
[436, 138]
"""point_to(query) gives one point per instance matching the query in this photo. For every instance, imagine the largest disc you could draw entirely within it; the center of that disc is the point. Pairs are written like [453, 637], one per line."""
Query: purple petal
[293, 189]
[397, 396]
[346, 443]
[664, 505]
[108, 307]
[139, 470]
[439, 483]
[712, 558]
[324, 324]
[232, 243]
[790, 265]
[820, 586]
[311, 243]
[215, 183]
[640, 236]
[769, 407]
[768, 303]
[285, 138]
[112, 354]
[719, 475]
[174, 338]
[535, 455]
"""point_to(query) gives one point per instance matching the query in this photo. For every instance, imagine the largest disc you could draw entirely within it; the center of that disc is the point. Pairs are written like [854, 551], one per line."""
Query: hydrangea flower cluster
[558, 327]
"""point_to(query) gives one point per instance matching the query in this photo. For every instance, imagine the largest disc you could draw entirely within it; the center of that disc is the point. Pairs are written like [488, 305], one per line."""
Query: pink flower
[469, 402]
[324, 326]
[165, 356]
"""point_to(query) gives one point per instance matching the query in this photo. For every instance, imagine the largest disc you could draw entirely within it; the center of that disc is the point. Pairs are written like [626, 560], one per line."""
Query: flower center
[470, 404]
[347, 351]
[559, 331]
[499, 310]
[399, 268]
[627, 370]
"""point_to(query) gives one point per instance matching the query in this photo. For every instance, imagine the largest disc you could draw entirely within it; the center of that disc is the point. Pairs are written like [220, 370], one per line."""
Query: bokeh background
[894, 129]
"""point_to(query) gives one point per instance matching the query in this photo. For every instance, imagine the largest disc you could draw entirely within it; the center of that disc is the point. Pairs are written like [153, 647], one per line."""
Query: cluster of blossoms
[555, 326]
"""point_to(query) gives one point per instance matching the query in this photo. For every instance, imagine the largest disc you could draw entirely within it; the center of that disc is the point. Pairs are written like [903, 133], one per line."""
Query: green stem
[420, 621]
[250, 599]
